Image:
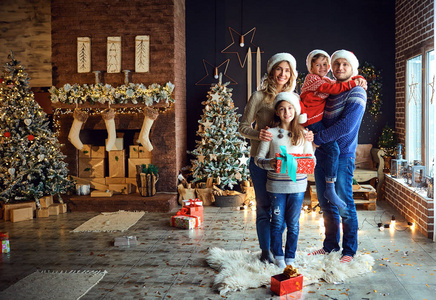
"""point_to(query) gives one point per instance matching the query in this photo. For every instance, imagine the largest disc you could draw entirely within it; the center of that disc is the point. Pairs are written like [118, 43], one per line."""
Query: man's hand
[265, 135]
[309, 135]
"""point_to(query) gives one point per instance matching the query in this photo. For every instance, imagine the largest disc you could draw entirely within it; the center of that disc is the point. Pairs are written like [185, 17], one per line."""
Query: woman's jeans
[332, 214]
[263, 205]
[286, 209]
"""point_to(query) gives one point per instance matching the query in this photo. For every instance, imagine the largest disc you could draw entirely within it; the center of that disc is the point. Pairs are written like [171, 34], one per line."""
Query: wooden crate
[366, 196]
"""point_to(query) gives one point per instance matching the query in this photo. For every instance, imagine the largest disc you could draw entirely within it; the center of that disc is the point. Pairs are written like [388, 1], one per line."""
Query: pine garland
[374, 92]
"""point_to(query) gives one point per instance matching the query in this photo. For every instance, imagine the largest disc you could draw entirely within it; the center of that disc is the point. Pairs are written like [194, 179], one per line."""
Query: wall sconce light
[241, 41]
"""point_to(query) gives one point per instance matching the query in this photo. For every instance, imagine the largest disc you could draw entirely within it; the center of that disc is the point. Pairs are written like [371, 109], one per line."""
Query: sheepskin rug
[241, 269]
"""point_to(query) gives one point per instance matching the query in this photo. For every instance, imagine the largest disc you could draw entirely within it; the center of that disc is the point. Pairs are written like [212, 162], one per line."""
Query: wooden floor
[161, 202]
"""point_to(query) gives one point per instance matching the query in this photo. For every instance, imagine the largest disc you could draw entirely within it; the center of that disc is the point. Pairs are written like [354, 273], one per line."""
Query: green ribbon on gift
[289, 164]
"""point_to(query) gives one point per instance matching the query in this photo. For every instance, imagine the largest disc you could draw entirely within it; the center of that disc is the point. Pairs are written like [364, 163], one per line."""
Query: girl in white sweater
[285, 194]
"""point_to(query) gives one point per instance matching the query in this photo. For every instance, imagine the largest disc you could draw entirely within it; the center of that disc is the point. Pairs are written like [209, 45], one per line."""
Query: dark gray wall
[365, 27]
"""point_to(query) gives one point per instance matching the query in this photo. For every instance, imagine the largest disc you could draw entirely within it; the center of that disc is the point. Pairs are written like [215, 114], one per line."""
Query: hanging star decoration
[241, 48]
[431, 84]
[212, 71]
[412, 91]
[213, 156]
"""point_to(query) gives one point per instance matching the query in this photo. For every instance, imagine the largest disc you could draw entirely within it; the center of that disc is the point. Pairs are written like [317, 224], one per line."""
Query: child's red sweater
[314, 92]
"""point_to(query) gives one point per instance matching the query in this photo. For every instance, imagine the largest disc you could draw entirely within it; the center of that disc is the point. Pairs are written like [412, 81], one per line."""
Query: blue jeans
[286, 209]
[332, 151]
[332, 214]
[263, 205]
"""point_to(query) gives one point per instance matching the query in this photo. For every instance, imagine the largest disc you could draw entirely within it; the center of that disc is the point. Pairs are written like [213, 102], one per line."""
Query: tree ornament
[27, 121]
[80, 117]
[30, 137]
[7, 134]
[11, 171]
[150, 115]
[238, 175]
[41, 157]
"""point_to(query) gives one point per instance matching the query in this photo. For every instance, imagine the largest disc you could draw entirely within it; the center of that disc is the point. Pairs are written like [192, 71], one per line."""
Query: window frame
[423, 52]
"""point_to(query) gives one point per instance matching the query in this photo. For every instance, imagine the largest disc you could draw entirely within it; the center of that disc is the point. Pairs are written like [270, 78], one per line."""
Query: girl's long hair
[296, 130]
[268, 85]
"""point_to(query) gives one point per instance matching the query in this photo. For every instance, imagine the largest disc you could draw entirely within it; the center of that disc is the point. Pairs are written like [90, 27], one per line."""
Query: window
[430, 109]
[420, 102]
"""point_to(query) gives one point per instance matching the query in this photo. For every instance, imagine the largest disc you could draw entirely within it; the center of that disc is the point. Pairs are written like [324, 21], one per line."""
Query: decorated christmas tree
[388, 141]
[31, 164]
[222, 152]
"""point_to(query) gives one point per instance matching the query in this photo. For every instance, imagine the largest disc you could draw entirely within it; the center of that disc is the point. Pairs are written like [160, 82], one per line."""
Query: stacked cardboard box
[91, 161]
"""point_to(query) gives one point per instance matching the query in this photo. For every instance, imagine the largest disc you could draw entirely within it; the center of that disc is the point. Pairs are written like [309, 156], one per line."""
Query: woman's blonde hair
[268, 85]
[296, 130]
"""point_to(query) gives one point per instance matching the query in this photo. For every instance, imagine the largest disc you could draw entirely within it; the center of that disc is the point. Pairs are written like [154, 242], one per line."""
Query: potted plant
[387, 142]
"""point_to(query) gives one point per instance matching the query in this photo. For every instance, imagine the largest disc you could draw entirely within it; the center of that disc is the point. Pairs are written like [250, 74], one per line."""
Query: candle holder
[97, 76]
[399, 165]
[417, 175]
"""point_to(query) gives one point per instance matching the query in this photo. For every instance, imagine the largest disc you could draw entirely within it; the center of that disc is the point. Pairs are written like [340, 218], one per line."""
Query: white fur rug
[240, 269]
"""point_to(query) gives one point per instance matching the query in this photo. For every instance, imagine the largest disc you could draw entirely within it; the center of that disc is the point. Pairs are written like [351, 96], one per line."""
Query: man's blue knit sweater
[342, 117]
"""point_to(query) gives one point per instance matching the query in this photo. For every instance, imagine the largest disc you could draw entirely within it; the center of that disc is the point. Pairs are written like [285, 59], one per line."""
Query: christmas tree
[31, 164]
[388, 141]
[222, 152]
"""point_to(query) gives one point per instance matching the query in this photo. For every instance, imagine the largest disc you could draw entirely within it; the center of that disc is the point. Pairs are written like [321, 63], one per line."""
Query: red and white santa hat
[350, 57]
[279, 57]
[294, 99]
[312, 54]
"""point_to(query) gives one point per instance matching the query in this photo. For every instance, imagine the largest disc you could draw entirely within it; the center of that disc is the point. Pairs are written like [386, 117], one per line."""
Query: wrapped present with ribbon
[292, 163]
[195, 207]
[183, 220]
[4, 235]
[126, 241]
[287, 282]
[5, 245]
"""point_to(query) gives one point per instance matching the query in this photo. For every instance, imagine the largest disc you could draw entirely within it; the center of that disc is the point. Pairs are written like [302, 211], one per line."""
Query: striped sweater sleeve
[348, 120]
[261, 159]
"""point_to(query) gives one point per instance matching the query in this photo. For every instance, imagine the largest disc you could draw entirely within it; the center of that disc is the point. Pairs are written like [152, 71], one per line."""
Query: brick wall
[413, 32]
[31, 46]
[163, 21]
[413, 207]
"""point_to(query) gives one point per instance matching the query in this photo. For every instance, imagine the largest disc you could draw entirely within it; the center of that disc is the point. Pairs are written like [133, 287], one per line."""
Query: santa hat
[279, 57]
[294, 99]
[312, 54]
[350, 57]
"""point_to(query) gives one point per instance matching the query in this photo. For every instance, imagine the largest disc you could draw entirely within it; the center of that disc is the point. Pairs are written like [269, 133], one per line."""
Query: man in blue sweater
[342, 117]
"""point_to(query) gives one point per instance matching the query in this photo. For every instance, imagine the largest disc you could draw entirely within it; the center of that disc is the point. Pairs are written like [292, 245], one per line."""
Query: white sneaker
[280, 261]
[289, 261]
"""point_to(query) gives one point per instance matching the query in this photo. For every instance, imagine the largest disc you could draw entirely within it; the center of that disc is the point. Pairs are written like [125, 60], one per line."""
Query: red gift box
[183, 220]
[4, 235]
[306, 163]
[194, 209]
[282, 284]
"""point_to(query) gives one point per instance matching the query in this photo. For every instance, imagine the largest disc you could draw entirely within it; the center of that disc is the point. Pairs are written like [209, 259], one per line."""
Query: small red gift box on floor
[282, 284]
[195, 207]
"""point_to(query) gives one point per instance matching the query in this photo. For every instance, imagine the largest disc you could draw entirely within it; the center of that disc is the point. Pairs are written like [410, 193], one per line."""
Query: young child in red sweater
[316, 88]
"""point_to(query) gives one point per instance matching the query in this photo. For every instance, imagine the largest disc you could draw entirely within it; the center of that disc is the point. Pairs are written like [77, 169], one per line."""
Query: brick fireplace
[164, 22]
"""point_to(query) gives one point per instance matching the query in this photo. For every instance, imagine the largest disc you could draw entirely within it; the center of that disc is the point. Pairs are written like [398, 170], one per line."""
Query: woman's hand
[309, 135]
[273, 163]
[265, 135]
